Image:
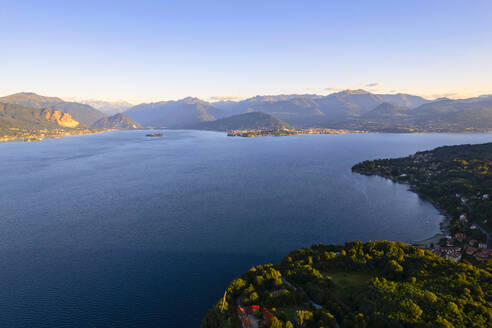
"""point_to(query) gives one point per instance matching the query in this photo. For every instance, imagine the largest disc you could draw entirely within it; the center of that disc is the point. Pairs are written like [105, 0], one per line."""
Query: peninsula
[374, 284]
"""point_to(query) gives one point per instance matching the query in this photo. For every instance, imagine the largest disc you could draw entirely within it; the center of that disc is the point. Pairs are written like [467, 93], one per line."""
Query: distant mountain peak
[29, 96]
[354, 92]
[192, 100]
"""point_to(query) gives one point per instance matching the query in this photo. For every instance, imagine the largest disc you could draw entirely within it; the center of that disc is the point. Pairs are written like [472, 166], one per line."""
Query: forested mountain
[387, 110]
[247, 121]
[14, 116]
[183, 113]
[374, 284]
[443, 115]
[319, 111]
[253, 103]
[349, 109]
[298, 110]
[405, 100]
[117, 121]
[83, 113]
[311, 110]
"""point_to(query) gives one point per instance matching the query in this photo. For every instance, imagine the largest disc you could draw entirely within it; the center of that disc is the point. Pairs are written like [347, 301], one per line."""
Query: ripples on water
[121, 230]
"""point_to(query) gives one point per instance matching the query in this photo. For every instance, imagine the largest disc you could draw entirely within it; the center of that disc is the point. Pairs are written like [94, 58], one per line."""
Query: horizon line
[213, 99]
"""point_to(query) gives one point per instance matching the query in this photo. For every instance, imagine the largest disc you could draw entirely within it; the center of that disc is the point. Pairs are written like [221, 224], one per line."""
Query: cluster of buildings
[285, 132]
[463, 247]
[250, 318]
[38, 135]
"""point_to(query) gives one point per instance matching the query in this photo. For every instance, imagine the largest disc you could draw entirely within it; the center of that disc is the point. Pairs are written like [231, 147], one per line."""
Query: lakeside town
[286, 132]
[29, 135]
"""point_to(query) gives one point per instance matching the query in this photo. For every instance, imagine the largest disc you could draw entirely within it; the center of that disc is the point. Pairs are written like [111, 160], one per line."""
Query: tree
[303, 316]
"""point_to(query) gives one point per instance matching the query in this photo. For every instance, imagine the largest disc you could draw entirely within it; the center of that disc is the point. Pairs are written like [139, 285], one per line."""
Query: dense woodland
[374, 284]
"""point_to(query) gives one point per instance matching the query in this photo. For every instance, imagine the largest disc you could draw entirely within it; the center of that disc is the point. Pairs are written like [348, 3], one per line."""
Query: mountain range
[442, 115]
[181, 114]
[304, 110]
[349, 109]
[85, 114]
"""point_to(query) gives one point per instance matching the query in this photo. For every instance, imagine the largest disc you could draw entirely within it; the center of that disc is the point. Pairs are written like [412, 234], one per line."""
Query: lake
[122, 230]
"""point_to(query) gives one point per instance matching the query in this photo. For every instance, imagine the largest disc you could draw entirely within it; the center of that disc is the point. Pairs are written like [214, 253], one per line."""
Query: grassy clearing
[344, 279]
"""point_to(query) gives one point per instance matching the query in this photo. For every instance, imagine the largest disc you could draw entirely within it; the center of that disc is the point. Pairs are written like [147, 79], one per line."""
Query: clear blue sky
[156, 50]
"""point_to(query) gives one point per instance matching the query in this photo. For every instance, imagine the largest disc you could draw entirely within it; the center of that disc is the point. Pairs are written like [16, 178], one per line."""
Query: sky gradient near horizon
[144, 51]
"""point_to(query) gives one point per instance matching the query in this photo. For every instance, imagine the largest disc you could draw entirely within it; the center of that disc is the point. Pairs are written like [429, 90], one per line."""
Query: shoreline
[443, 225]
[287, 132]
[47, 134]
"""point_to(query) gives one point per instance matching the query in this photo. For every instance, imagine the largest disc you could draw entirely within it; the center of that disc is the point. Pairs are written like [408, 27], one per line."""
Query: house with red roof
[253, 309]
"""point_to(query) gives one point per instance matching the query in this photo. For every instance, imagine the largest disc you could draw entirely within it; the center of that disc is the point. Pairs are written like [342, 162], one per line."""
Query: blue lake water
[121, 230]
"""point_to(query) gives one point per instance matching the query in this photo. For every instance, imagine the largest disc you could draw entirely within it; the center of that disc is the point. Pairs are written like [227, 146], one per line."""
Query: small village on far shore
[286, 132]
[29, 135]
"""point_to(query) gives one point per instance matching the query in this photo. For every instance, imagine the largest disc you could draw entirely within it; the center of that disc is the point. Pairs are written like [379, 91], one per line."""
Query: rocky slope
[20, 117]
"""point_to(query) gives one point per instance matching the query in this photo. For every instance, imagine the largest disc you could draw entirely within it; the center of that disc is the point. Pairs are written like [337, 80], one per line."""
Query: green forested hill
[374, 284]
[445, 115]
[248, 121]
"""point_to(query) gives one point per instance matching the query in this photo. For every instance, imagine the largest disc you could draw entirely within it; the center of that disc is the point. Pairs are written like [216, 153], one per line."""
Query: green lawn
[344, 279]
